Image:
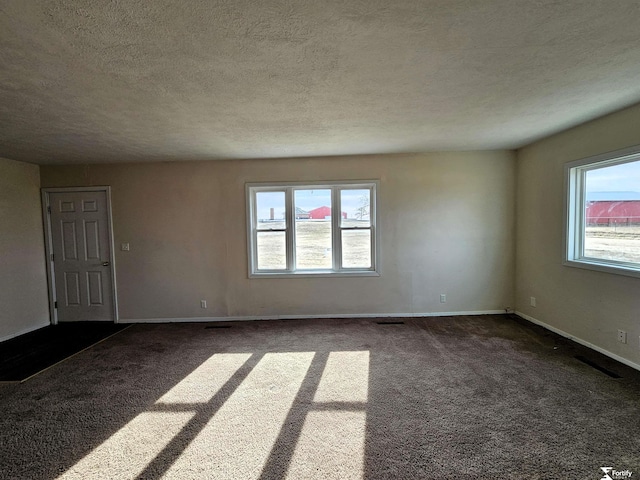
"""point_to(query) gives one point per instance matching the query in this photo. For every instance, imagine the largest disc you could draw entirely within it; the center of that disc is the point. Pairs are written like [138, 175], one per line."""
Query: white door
[81, 247]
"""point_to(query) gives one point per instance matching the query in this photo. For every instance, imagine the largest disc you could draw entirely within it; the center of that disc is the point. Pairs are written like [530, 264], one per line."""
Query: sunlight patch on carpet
[345, 378]
[331, 446]
[238, 439]
[204, 382]
[331, 443]
[128, 451]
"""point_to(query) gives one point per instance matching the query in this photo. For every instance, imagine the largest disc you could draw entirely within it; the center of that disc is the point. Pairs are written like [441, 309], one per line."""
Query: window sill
[318, 274]
[603, 267]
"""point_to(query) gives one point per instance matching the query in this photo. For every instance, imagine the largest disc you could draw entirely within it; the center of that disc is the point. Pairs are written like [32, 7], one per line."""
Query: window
[293, 229]
[603, 213]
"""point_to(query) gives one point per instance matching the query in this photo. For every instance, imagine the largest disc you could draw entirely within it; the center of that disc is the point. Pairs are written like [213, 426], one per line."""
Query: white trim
[114, 286]
[23, 332]
[307, 317]
[49, 248]
[51, 282]
[580, 341]
[574, 212]
[252, 188]
[616, 156]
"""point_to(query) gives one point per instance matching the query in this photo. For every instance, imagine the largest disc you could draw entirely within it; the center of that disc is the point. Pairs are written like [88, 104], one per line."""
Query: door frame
[48, 246]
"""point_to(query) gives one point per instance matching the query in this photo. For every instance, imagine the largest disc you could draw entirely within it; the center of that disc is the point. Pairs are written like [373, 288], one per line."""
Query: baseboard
[22, 332]
[580, 341]
[306, 317]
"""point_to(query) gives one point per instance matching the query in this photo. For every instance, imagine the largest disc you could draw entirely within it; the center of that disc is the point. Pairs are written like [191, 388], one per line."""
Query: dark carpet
[26, 355]
[478, 397]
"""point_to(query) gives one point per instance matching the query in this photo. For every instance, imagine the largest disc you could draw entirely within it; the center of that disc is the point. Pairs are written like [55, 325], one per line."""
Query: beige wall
[23, 282]
[447, 226]
[586, 304]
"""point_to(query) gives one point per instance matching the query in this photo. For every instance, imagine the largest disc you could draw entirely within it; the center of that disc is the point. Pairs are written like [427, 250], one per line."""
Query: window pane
[271, 250]
[356, 248]
[612, 213]
[356, 208]
[313, 229]
[270, 210]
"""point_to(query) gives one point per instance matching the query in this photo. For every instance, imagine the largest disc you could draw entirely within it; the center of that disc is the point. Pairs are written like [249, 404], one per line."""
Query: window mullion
[336, 217]
[254, 231]
[372, 225]
[290, 233]
[372, 244]
[580, 224]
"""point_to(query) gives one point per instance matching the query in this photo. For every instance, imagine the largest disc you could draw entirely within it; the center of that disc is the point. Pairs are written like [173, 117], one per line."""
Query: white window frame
[575, 210]
[336, 229]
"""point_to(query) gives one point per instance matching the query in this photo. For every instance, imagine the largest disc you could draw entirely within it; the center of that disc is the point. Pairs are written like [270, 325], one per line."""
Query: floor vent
[216, 326]
[597, 367]
[390, 323]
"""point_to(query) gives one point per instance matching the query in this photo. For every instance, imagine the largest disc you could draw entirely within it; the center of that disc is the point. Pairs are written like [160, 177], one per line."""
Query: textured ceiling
[135, 80]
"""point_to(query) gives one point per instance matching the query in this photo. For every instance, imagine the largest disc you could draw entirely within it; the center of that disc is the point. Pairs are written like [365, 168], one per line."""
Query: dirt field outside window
[621, 243]
[313, 245]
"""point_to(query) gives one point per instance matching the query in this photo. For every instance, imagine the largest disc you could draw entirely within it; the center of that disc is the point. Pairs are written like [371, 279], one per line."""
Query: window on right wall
[603, 213]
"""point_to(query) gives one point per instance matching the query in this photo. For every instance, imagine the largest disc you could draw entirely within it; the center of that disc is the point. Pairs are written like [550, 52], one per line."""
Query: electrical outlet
[443, 298]
[533, 302]
[203, 304]
[124, 247]
[622, 336]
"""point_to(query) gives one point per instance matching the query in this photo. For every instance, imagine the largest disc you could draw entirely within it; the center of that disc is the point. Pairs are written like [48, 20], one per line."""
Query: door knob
[105, 264]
